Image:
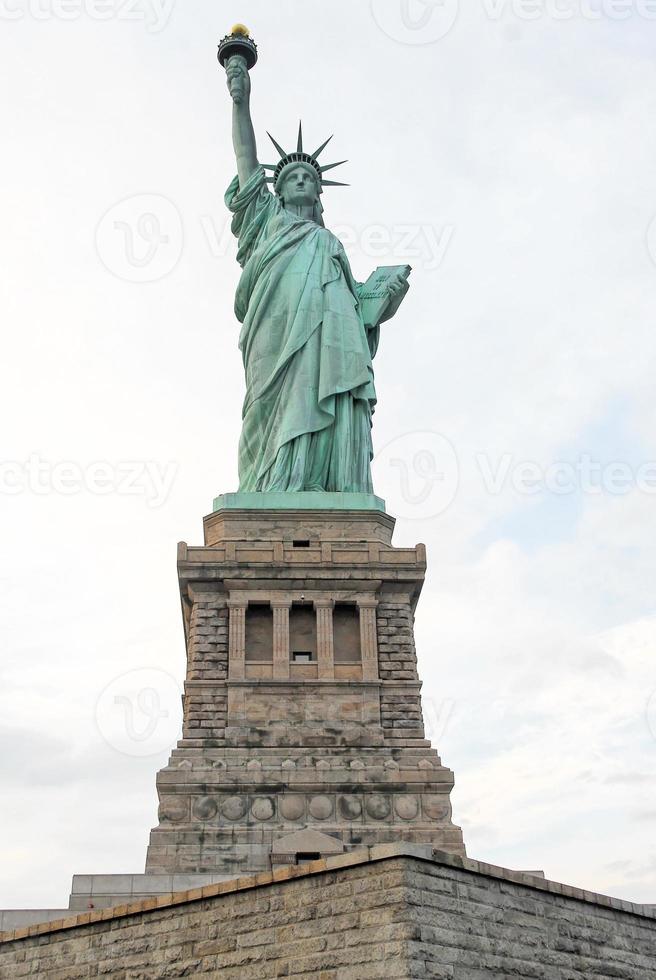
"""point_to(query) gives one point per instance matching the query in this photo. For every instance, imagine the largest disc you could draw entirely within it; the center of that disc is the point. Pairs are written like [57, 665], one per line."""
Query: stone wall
[272, 747]
[476, 926]
[397, 911]
[400, 702]
[206, 700]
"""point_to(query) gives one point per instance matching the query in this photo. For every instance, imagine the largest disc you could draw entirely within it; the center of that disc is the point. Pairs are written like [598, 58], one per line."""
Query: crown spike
[322, 148]
[331, 166]
[277, 145]
[302, 157]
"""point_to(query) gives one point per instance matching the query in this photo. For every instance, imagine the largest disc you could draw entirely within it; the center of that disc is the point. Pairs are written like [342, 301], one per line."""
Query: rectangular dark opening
[302, 856]
[301, 544]
[302, 633]
[259, 632]
[346, 633]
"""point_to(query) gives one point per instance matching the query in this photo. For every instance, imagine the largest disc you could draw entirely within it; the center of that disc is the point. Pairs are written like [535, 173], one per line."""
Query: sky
[506, 150]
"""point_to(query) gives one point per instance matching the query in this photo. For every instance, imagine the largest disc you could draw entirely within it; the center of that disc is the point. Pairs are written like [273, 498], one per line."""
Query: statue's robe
[307, 354]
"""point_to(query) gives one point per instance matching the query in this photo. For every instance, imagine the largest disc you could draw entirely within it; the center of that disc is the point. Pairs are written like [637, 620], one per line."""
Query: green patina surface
[308, 337]
[307, 357]
[308, 500]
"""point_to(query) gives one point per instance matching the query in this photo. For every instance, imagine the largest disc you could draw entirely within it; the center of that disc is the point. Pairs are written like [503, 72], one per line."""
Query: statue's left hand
[396, 286]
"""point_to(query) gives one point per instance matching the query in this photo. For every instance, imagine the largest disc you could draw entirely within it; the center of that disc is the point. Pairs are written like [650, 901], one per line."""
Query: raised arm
[243, 134]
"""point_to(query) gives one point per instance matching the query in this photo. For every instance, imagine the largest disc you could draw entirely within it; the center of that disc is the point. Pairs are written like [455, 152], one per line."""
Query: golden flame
[241, 30]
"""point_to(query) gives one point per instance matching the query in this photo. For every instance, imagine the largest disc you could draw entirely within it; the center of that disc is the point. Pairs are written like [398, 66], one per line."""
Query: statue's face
[299, 188]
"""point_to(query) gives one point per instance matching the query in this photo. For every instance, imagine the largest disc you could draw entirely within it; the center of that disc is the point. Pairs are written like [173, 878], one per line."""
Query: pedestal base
[305, 500]
[302, 710]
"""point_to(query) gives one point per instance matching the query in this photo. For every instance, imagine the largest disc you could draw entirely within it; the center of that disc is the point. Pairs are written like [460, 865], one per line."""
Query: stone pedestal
[303, 732]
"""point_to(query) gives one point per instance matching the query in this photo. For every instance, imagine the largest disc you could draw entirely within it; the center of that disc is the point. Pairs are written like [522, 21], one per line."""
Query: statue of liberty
[306, 347]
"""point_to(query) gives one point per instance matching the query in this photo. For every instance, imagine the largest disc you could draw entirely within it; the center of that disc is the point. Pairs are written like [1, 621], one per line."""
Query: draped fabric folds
[307, 354]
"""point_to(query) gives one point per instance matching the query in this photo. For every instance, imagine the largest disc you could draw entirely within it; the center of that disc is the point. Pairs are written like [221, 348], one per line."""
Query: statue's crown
[300, 156]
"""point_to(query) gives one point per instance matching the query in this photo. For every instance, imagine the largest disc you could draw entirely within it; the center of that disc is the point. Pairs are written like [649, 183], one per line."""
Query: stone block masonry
[302, 707]
[392, 911]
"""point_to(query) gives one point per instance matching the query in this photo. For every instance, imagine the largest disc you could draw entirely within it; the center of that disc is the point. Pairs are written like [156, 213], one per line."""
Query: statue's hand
[397, 285]
[239, 81]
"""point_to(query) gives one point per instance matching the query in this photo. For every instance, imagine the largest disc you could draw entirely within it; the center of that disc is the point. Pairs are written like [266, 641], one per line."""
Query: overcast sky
[508, 152]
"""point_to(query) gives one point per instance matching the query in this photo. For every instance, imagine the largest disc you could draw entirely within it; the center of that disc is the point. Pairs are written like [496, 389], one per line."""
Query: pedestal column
[280, 608]
[368, 641]
[325, 642]
[237, 640]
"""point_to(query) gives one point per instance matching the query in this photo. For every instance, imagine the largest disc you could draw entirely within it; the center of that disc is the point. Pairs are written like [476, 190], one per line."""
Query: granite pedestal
[303, 732]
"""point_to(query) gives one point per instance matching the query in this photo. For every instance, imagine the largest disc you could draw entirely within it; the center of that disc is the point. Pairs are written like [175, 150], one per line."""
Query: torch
[238, 42]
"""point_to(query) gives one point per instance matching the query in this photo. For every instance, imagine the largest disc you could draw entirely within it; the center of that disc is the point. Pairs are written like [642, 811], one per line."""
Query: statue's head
[298, 177]
[299, 186]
